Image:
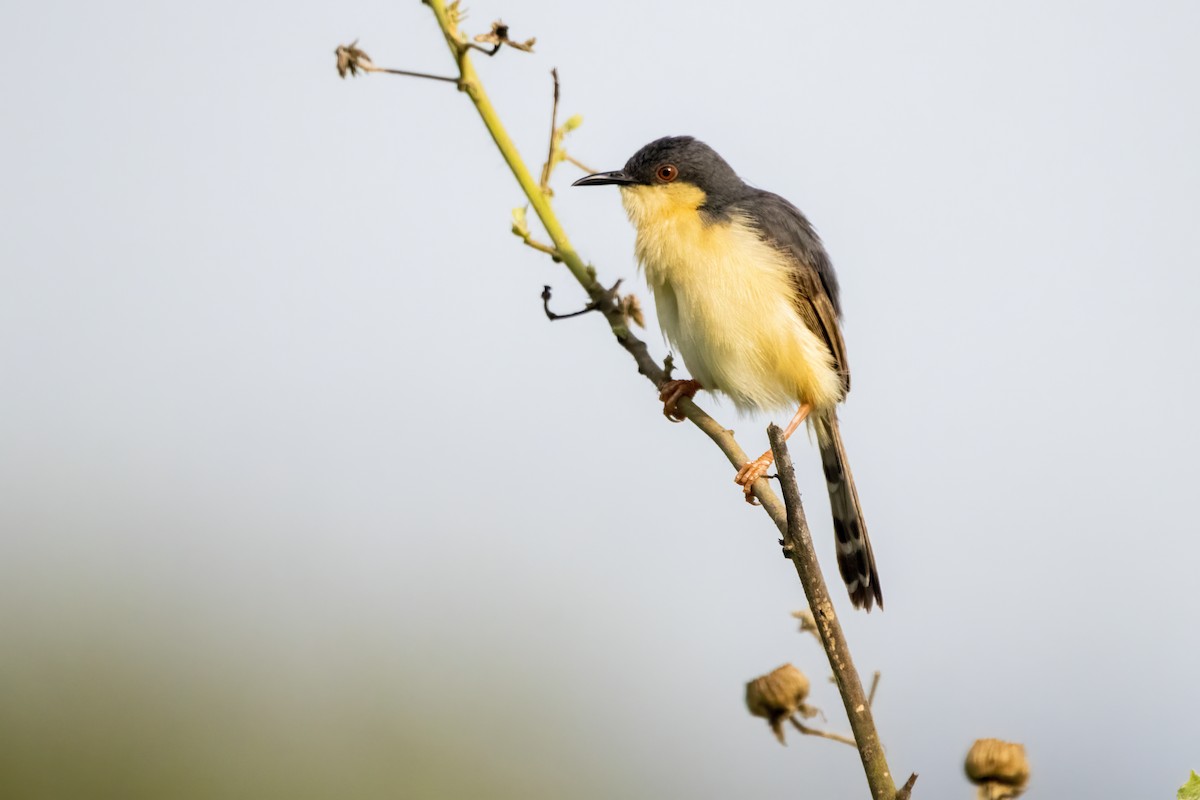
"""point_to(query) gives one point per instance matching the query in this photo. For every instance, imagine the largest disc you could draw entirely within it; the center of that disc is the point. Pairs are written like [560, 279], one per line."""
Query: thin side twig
[541, 248]
[797, 541]
[609, 299]
[351, 60]
[874, 685]
[550, 315]
[837, 737]
[408, 73]
[571, 159]
[549, 165]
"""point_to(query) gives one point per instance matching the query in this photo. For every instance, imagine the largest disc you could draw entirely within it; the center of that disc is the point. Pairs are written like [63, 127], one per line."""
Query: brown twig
[797, 542]
[610, 298]
[837, 737]
[553, 317]
[556, 152]
[906, 790]
[409, 73]
[874, 685]
[351, 60]
[549, 165]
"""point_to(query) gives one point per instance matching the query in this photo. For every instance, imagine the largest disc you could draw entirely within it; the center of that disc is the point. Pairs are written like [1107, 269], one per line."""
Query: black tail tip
[867, 597]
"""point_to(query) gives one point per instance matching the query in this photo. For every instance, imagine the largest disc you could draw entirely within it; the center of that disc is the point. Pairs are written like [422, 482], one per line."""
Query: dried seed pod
[998, 768]
[777, 696]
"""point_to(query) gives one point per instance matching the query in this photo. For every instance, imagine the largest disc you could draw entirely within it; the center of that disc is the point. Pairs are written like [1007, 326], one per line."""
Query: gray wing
[816, 297]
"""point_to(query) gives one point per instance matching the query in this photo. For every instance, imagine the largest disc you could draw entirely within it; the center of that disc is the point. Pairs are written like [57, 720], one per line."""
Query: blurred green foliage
[116, 712]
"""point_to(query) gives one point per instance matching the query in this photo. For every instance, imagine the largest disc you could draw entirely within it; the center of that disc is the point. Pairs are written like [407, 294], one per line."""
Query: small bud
[520, 222]
[777, 696]
[998, 768]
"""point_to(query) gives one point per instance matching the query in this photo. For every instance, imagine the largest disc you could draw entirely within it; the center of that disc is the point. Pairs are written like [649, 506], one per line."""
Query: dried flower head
[350, 59]
[499, 36]
[1000, 769]
[777, 696]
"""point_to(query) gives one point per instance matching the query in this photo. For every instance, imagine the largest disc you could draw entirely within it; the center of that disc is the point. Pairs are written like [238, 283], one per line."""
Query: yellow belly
[725, 302]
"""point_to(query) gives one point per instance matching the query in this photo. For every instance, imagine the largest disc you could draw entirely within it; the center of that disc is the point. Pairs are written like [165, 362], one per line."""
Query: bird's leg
[753, 470]
[671, 392]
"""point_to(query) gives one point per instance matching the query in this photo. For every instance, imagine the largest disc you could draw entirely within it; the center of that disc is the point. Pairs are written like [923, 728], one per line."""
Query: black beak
[603, 178]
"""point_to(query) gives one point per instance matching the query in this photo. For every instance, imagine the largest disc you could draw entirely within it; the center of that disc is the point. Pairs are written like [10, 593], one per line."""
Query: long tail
[856, 562]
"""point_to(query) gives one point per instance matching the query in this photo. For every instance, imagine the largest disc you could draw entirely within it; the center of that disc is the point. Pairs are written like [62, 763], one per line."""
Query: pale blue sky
[292, 460]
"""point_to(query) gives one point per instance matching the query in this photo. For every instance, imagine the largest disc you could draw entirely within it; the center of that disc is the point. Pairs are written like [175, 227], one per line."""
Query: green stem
[469, 83]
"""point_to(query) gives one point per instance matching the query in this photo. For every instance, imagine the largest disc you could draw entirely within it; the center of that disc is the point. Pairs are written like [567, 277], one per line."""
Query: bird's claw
[750, 472]
[671, 392]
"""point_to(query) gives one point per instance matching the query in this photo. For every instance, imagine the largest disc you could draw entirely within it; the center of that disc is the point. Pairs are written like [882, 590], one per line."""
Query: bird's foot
[752, 471]
[670, 394]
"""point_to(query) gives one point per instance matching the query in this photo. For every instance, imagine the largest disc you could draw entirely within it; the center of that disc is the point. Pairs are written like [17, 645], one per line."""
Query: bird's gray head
[676, 161]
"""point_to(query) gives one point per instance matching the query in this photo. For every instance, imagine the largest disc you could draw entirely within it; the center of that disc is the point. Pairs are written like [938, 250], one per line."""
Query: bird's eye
[666, 173]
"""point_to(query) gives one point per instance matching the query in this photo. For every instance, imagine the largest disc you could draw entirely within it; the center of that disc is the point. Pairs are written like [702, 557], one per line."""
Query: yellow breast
[725, 300]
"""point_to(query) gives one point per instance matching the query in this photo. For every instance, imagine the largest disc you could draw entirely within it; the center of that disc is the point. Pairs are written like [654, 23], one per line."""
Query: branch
[557, 153]
[592, 306]
[570, 159]
[790, 519]
[469, 83]
[520, 228]
[549, 165]
[351, 59]
[837, 737]
[874, 686]
[906, 790]
[797, 544]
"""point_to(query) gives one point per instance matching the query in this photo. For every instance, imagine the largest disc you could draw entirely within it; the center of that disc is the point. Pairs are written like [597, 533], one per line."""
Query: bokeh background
[302, 496]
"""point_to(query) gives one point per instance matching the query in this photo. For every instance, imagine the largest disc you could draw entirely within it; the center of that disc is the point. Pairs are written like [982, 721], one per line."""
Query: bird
[748, 297]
